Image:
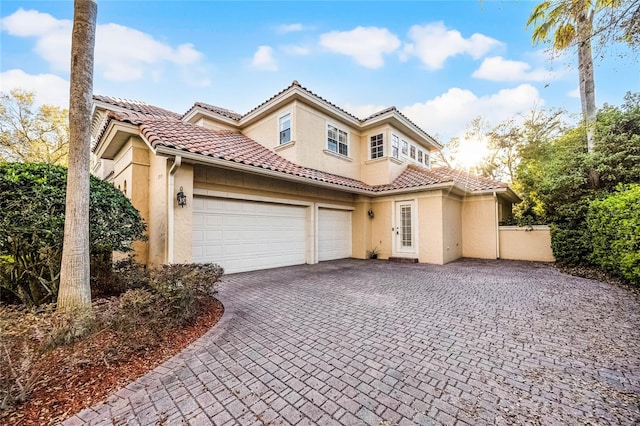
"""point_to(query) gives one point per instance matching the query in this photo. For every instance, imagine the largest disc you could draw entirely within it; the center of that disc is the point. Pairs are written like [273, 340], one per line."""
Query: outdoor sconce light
[182, 198]
[370, 213]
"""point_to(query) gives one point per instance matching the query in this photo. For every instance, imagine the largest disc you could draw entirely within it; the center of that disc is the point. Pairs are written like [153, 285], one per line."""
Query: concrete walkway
[370, 342]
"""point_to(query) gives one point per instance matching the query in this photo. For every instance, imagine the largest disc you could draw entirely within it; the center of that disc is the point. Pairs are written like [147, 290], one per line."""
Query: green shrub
[614, 224]
[32, 204]
[571, 246]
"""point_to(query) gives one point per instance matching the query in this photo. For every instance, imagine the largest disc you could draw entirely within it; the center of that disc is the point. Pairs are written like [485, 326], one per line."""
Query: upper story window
[285, 128]
[427, 160]
[405, 147]
[377, 146]
[419, 156]
[413, 152]
[395, 146]
[337, 140]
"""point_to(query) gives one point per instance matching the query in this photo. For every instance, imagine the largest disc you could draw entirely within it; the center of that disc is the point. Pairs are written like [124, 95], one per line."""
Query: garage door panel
[246, 235]
[334, 234]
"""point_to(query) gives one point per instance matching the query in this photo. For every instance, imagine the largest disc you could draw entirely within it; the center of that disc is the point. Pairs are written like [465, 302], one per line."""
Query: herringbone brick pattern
[378, 343]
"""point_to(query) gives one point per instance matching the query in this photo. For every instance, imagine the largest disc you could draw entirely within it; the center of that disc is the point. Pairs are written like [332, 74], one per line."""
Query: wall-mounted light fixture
[182, 198]
[370, 213]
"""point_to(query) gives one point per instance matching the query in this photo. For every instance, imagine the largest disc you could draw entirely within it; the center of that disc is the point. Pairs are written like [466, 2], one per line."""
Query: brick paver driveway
[351, 342]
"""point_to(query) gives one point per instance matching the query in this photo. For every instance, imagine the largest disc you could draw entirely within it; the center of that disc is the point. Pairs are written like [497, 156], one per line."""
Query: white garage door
[248, 235]
[334, 234]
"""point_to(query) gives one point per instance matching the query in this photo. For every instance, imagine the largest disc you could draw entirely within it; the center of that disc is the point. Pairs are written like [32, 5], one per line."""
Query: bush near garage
[32, 205]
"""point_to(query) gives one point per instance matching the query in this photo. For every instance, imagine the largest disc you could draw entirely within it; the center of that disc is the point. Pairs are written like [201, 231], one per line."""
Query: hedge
[614, 225]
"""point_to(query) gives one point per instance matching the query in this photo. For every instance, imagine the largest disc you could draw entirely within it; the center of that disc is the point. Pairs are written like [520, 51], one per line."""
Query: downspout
[177, 162]
[495, 197]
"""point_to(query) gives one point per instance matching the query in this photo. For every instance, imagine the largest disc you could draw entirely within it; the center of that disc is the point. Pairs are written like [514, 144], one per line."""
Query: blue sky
[442, 63]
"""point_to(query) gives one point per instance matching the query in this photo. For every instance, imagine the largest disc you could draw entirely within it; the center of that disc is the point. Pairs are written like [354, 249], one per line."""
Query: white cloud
[363, 111]
[289, 28]
[30, 23]
[366, 45]
[48, 88]
[497, 68]
[293, 49]
[121, 53]
[433, 44]
[448, 114]
[575, 93]
[263, 59]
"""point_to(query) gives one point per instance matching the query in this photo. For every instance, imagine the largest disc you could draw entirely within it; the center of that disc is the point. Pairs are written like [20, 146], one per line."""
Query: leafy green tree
[32, 135]
[617, 154]
[32, 215]
[554, 176]
[568, 23]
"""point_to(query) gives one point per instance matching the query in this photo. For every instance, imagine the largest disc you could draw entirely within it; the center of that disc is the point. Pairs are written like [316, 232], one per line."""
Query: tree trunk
[75, 289]
[585, 71]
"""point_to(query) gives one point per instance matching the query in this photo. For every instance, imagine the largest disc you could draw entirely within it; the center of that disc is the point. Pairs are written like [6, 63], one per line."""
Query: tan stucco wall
[183, 216]
[311, 141]
[215, 125]
[479, 227]
[265, 131]
[361, 228]
[381, 225]
[157, 220]
[430, 238]
[131, 176]
[451, 228]
[526, 243]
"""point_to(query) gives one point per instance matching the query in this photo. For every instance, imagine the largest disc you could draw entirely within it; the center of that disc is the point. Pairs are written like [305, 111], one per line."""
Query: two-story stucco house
[295, 180]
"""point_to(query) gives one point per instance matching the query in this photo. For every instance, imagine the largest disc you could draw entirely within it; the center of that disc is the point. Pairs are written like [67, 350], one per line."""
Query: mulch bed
[80, 375]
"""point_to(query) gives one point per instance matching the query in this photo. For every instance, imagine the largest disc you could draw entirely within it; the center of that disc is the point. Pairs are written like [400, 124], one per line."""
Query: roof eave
[232, 165]
[114, 137]
[198, 112]
[395, 116]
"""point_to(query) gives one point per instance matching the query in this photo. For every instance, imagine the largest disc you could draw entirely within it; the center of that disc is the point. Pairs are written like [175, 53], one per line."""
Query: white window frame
[378, 149]
[405, 147]
[280, 129]
[420, 156]
[427, 159]
[337, 140]
[395, 146]
[412, 152]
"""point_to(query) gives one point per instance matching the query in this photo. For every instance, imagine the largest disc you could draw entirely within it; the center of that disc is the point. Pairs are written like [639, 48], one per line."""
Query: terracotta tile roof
[225, 145]
[165, 128]
[215, 109]
[235, 147]
[415, 177]
[137, 106]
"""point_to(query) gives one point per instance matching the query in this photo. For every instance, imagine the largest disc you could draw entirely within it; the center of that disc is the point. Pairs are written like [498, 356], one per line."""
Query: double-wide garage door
[249, 235]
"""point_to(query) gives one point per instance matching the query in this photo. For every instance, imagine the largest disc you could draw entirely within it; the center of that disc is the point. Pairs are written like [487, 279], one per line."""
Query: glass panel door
[404, 238]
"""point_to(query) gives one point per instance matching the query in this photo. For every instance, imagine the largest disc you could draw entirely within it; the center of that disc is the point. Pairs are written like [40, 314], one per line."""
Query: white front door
[404, 229]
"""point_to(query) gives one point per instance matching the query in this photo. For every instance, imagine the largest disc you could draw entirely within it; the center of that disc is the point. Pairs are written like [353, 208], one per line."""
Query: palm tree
[75, 289]
[571, 24]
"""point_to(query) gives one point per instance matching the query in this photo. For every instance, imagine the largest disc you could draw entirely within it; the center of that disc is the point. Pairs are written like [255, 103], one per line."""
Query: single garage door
[248, 235]
[334, 234]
